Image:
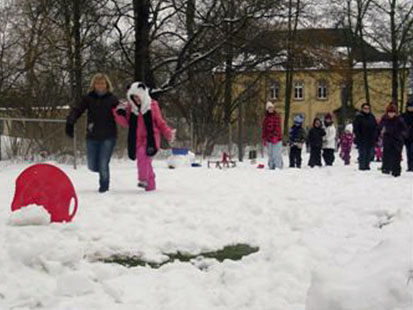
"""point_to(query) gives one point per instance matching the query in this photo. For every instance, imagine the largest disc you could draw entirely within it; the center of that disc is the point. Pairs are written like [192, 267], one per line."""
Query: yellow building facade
[317, 92]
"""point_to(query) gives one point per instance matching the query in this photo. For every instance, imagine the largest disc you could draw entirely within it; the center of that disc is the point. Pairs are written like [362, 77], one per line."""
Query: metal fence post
[74, 149]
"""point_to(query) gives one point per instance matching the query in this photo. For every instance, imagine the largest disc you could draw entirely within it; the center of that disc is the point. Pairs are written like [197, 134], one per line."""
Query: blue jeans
[275, 159]
[98, 158]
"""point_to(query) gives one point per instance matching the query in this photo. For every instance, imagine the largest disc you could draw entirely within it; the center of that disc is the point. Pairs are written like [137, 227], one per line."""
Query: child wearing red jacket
[272, 137]
[146, 124]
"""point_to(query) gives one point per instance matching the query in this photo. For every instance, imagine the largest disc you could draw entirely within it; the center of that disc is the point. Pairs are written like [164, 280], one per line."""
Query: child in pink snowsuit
[146, 124]
[345, 144]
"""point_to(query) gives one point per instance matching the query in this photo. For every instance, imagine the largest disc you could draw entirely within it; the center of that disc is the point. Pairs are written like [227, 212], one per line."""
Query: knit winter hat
[349, 128]
[298, 119]
[328, 116]
[269, 105]
[142, 91]
[391, 108]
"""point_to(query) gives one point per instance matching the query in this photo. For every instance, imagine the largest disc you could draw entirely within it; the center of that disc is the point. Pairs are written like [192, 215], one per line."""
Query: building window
[274, 91]
[322, 90]
[299, 90]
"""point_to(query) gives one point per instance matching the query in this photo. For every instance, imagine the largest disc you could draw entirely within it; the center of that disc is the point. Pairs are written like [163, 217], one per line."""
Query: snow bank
[30, 215]
[176, 161]
[371, 280]
[331, 238]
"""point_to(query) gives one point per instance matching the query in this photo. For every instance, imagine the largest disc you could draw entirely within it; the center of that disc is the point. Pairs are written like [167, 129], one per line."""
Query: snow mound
[30, 215]
[176, 161]
[75, 284]
[371, 282]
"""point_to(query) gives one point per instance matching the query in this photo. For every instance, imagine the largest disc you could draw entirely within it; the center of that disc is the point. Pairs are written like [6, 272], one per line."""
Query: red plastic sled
[48, 186]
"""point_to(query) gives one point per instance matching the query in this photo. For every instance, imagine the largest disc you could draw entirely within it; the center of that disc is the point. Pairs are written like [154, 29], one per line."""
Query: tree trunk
[66, 6]
[395, 56]
[292, 28]
[77, 61]
[403, 77]
[240, 135]
[142, 70]
[229, 56]
[190, 28]
[288, 91]
[365, 71]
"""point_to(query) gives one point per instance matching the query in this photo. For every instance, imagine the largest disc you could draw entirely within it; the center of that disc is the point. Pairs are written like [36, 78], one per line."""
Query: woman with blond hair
[100, 104]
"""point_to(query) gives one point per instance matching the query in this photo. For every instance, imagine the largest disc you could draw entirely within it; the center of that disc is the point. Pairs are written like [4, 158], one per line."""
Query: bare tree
[9, 63]
[293, 15]
[393, 21]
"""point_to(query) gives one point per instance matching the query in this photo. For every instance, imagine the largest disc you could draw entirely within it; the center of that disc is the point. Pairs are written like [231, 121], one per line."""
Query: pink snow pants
[145, 170]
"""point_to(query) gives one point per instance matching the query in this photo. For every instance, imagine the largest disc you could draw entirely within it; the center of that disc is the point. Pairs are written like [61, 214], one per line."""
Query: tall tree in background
[229, 58]
[9, 65]
[393, 22]
[356, 19]
[293, 15]
[190, 29]
[362, 9]
[355, 12]
[82, 23]
[141, 15]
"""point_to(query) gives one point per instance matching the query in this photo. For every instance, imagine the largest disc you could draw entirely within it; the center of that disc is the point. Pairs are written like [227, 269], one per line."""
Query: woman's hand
[121, 108]
[121, 112]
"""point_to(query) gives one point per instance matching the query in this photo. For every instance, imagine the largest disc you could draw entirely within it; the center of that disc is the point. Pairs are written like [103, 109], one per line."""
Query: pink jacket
[159, 125]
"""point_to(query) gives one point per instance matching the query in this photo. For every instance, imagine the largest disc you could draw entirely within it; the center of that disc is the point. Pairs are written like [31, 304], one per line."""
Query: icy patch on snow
[30, 215]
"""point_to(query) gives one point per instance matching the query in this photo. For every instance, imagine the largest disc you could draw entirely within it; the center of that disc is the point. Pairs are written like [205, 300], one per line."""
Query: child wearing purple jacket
[345, 144]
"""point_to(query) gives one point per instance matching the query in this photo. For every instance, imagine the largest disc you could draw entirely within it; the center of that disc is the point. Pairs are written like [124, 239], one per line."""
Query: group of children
[321, 140]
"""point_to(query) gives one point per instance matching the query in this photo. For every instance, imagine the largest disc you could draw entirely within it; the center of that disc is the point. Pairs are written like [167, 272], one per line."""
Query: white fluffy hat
[349, 127]
[268, 105]
[142, 91]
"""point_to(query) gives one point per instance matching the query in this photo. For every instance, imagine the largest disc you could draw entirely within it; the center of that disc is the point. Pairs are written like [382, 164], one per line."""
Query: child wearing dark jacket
[296, 141]
[393, 129]
[408, 119]
[315, 141]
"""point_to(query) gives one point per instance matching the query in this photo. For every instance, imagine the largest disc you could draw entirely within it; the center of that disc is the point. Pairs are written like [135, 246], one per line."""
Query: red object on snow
[225, 158]
[48, 186]
[260, 166]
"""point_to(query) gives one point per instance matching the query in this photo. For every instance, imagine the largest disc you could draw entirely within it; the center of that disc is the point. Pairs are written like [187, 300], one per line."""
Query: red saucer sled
[48, 186]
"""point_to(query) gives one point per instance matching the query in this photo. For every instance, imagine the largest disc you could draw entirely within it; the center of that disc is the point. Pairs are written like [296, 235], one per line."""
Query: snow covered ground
[329, 239]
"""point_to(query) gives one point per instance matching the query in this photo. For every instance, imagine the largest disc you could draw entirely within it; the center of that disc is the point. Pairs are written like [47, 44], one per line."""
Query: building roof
[310, 44]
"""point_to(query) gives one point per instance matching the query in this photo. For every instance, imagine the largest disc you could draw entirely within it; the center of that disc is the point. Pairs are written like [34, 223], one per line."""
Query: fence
[208, 139]
[36, 139]
[33, 139]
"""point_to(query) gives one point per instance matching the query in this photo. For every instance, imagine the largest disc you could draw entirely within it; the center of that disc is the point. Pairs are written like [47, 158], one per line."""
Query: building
[328, 74]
